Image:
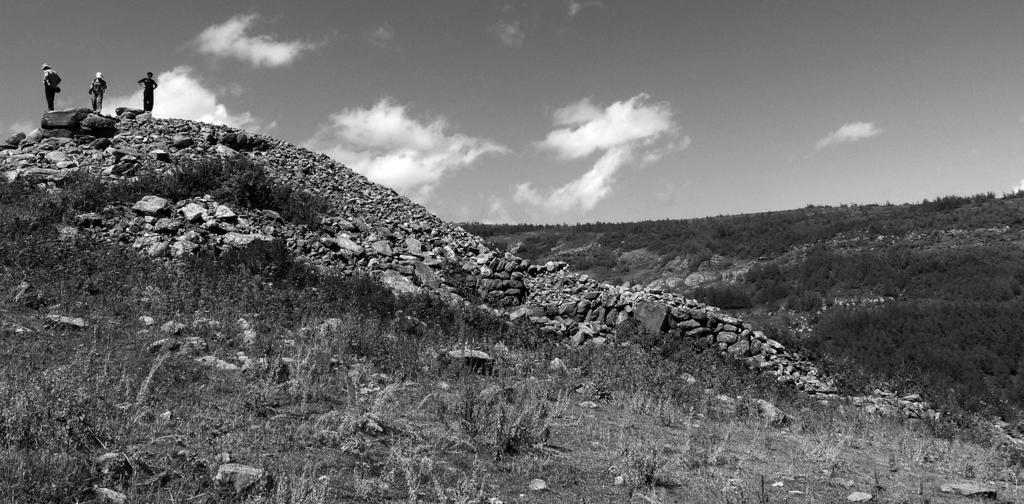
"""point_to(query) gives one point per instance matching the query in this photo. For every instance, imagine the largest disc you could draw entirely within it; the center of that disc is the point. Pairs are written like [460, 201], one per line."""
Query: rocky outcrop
[372, 229]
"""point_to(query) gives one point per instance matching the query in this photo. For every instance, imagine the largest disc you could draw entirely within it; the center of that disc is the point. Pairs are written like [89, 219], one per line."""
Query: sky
[565, 111]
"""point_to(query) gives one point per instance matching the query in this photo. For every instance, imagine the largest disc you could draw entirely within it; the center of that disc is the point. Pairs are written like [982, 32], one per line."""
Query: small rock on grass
[859, 497]
[62, 322]
[213, 362]
[108, 495]
[238, 476]
[538, 485]
[969, 490]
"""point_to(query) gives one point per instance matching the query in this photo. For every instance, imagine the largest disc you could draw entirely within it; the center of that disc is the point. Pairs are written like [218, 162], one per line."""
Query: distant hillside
[928, 292]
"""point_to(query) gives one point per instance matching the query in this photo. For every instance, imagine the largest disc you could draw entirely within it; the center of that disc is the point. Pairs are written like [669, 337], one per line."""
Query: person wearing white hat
[51, 84]
[99, 86]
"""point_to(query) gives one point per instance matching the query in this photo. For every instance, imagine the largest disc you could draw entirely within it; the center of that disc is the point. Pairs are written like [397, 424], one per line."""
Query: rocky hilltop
[371, 229]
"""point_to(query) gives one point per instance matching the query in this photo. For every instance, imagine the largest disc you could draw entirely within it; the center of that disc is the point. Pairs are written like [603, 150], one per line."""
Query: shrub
[727, 296]
[511, 420]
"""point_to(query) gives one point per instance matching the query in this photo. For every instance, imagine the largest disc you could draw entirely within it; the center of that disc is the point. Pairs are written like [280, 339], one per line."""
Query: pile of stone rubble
[370, 229]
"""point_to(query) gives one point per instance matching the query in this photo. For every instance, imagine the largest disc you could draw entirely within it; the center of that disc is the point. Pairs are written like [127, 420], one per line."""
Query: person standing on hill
[148, 85]
[51, 84]
[99, 86]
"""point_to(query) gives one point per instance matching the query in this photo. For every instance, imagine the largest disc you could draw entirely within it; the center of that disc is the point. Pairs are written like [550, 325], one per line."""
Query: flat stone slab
[969, 490]
[151, 205]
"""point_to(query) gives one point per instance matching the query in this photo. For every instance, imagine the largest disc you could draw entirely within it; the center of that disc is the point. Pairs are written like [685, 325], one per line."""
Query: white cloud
[497, 212]
[510, 34]
[22, 126]
[624, 132]
[391, 148]
[576, 7]
[850, 132]
[384, 37]
[1019, 187]
[229, 39]
[181, 95]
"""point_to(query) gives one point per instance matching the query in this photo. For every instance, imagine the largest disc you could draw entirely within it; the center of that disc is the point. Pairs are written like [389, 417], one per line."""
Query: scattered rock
[556, 364]
[108, 495]
[240, 477]
[213, 362]
[160, 155]
[248, 335]
[969, 490]
[770, 413]
[859, 497]
[538, 485]
[241, 240]
[151, 205]
[111, 463]
[173, 327]
[193, 212]
[476, 360]
[398, 283]
[62, 322]
[12, 141]
[225, 151]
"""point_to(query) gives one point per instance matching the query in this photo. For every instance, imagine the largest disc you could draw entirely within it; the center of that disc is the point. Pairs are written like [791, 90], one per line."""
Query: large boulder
[99, 126]
[653, 316]
[59, 133]
[127, 112]
[346, 245]
[426, 276]
[12, 141]
[152, 205]
[33, 136]
[398, 283]
[70, 119]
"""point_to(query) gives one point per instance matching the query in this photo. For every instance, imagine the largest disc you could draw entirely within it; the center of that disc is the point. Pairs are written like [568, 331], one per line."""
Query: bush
[727, 296]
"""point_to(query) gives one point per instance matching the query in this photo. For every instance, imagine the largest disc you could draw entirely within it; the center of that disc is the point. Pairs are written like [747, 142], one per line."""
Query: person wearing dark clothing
[51, 84]
[148, 85]
[99, 86]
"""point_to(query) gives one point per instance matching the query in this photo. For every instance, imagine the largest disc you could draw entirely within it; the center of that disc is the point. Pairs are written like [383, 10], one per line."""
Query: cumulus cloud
[384, 37]
[182, 95]
[850, 132]
[510, 34]
[389, 147]
[1019, 187]
[230, 39]
[22, 126]
[576, 7]
[630, 131]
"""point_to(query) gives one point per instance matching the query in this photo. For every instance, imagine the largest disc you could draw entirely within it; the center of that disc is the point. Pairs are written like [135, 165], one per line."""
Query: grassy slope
[368, 414]
[948, 273]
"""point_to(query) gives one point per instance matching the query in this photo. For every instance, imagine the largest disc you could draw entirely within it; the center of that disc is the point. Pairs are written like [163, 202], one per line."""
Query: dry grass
[345, 401]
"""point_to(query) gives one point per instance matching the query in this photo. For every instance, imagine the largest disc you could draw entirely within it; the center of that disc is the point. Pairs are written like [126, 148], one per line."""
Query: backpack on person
[99, 86]
[53, 80]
